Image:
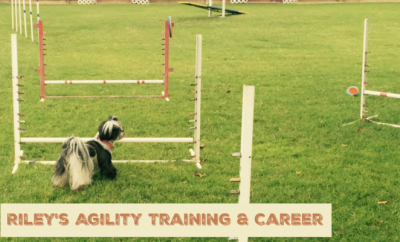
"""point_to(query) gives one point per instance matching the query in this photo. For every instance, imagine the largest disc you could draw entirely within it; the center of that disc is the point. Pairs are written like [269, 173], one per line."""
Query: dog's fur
[78, 161]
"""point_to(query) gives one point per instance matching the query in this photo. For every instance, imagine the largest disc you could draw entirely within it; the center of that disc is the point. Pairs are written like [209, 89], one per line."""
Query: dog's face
[111, 129]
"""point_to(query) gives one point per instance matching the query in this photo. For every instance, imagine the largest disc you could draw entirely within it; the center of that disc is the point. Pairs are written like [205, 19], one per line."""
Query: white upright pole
[20, 18]
[37, 8]
[26, 33]
[246, 145]
[364, 73]
[197, 101]
[38, 18]
[14, 61]
[16, 15]
[223, 8]
[12, 14]
[209, 10]
[30, 12]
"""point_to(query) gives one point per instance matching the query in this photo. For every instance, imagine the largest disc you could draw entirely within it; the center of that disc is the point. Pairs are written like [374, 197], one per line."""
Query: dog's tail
[74, 165]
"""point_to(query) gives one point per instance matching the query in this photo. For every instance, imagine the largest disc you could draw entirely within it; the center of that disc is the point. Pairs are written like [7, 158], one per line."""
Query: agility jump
[18, 140]
[364, 82]
[168, 31]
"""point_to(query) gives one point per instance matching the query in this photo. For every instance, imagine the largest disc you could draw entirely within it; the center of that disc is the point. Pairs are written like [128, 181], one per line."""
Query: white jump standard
[364, 82]
[245, 154]
[168, 25]
[18, 140]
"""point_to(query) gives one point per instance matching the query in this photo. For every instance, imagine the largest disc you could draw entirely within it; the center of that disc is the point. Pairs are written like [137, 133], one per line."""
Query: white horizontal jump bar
[393, 125]
[104, 82]
[124, 140]
[114, 161]
[382, 94]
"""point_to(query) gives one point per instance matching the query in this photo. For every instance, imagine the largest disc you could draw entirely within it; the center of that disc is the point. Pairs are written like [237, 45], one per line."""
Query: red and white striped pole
[382, 94]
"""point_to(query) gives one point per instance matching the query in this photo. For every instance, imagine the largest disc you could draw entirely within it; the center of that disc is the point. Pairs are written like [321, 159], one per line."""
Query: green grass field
[300, 58]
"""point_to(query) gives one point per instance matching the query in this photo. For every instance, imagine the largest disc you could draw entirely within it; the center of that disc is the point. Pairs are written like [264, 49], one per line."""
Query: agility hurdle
[364, 82]
[18, 140]
[168, 25]
[245, 154]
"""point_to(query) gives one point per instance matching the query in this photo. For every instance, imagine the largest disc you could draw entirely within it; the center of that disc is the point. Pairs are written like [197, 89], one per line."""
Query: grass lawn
[300, 58]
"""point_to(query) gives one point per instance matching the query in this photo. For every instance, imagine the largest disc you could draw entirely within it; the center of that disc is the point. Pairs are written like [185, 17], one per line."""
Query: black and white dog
[78, 161]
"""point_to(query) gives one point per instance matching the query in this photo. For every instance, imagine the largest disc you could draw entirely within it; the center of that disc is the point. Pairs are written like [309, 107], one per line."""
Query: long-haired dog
[78, 161]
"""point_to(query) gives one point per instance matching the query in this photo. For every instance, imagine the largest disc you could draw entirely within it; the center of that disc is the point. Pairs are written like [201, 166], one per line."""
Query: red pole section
[166, 58]
[41, 59]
